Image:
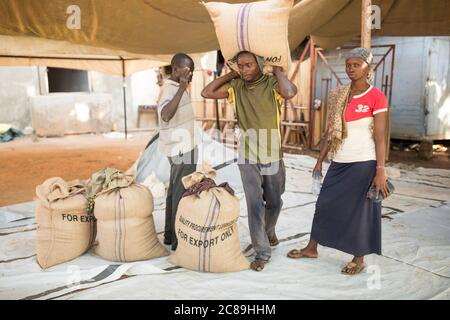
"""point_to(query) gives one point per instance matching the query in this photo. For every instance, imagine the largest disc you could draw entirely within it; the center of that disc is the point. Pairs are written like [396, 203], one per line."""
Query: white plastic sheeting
[209, 150]
[415, 263]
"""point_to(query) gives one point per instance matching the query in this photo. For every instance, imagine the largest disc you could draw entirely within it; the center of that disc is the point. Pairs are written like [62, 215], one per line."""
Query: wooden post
[124, 86]
[312, 91]
[366, 23]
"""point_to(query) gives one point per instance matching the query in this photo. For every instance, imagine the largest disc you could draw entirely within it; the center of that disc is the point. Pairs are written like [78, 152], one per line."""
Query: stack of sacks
[65, 229]
[206, 226]
[124, 213]
[259, 27]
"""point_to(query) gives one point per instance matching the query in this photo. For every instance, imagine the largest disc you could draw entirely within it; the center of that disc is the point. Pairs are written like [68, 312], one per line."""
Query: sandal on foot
[297, 254]
[353, 268]
[274, 241]
[258, 265]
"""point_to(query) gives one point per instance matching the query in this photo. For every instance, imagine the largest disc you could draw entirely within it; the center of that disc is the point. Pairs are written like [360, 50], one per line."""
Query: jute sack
[206, 226]
[124, 213]
[65, 230]
[259, 27]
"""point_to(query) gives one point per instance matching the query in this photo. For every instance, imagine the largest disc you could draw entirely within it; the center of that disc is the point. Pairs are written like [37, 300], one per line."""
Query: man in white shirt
[178, 136]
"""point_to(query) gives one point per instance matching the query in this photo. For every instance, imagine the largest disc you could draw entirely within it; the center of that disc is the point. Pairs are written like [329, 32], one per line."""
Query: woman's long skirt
[345, 219]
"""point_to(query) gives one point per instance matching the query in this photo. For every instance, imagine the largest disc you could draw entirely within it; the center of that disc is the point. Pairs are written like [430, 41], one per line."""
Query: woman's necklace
[354, 92]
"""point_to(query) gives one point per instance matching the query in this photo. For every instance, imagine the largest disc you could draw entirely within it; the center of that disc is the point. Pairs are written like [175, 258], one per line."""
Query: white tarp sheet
[415, 263]
[219, 156]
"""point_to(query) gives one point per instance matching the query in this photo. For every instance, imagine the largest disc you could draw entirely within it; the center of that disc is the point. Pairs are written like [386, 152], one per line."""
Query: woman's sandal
[297, 254]
[353, 268]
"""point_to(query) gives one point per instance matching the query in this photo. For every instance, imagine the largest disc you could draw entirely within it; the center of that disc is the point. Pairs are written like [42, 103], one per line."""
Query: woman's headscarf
[361, 53]
[365, 55]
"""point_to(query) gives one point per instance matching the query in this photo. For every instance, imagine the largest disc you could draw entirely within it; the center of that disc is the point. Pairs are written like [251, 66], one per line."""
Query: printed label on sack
[273, 59]
[199, 239]
[77, 218]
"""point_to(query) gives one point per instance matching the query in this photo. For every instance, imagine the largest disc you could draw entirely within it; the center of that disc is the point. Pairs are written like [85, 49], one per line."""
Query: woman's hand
[380, 183]
[317, 169]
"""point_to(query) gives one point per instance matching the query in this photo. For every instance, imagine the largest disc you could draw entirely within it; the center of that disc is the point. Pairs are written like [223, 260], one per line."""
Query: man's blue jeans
[263, 186]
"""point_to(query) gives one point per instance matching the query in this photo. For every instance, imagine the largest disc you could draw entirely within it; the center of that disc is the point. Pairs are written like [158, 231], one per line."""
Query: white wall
[144, 88]
[18, 83]
[408, 88]
[106, 83]
[438, 89]
[71, 112]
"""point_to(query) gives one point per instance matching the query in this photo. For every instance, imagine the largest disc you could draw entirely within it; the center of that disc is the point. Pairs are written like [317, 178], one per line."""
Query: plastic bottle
[316, 184]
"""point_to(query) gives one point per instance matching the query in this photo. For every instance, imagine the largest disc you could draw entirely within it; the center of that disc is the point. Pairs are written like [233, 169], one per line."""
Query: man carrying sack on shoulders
[258, 99]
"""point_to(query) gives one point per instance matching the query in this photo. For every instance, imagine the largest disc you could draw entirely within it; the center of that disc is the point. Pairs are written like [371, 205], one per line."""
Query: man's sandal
[297, 254]
[274, 242]
[353, 268]
[258, 265]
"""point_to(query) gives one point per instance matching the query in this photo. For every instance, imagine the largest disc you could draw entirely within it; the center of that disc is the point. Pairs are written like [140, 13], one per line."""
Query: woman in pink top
[345, 218]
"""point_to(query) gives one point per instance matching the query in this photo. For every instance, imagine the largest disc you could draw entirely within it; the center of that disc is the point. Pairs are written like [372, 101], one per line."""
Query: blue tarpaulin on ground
[10, 134]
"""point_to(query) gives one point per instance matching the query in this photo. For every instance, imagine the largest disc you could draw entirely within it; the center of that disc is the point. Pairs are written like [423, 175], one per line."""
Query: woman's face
[356, 68]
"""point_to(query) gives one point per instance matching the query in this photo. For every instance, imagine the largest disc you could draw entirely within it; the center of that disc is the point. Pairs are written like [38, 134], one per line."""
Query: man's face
[248, 67]
[356, 68]
[185, 64]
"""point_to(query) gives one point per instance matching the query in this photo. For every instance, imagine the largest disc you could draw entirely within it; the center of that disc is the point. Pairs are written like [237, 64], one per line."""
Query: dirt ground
[26, 162]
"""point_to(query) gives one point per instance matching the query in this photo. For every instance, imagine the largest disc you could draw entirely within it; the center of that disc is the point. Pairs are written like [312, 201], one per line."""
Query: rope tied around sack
[105, 181]
[202, 180]
[205, 185]
[56, 188]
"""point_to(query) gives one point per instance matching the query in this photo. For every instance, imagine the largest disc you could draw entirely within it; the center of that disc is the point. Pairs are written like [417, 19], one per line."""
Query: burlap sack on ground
[124, 212]
[206, 227]
[259, 27]
[65, 230]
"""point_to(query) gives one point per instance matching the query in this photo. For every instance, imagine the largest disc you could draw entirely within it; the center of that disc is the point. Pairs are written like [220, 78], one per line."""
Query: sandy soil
[26, 163]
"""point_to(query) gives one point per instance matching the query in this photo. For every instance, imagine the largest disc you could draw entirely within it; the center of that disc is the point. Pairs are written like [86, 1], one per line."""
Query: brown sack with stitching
[260, 27]
[65, 230]
[124, 212]
[206, 227]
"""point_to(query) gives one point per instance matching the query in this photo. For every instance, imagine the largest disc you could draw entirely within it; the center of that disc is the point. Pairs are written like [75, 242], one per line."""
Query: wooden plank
[294, 124]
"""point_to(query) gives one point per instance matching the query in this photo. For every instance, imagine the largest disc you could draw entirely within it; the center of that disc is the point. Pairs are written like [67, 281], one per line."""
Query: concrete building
[59, 101]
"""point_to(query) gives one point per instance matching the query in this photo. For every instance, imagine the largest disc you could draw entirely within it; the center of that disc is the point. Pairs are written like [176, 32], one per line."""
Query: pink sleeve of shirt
[380, 103]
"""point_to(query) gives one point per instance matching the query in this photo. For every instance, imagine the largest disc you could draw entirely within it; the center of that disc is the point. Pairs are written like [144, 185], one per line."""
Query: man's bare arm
[217, 89]
[285, 87]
